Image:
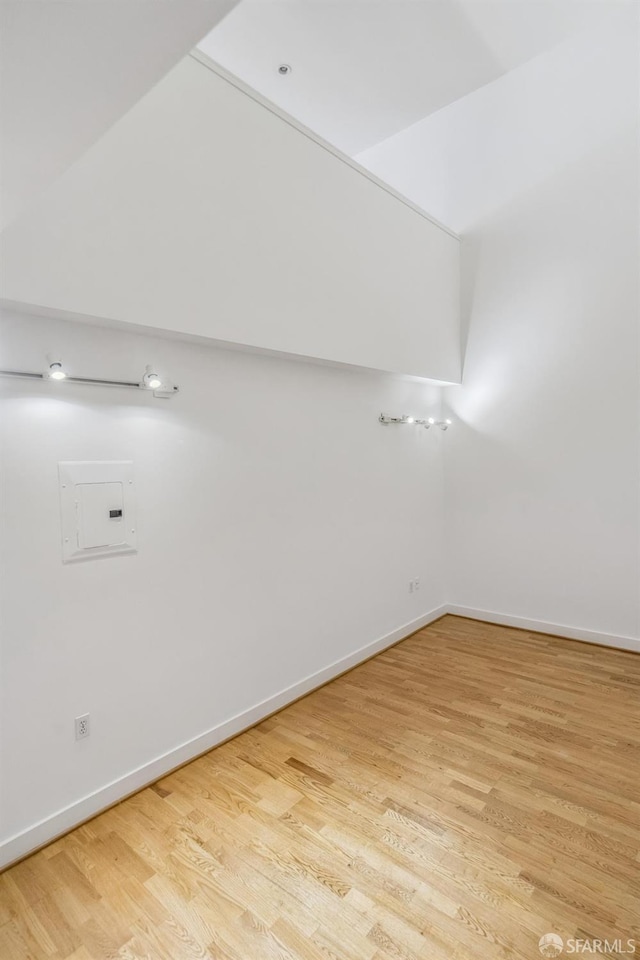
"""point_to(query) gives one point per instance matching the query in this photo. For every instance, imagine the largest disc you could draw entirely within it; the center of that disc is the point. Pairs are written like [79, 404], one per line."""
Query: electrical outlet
[416, 584]
[82, 727]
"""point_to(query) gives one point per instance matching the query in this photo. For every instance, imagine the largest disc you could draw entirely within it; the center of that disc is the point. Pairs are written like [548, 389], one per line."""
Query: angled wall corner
[203, 212]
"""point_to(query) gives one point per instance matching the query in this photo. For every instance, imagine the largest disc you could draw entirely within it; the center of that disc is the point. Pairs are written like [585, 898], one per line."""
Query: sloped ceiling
[362, 70]
[557, 110]
[70, 68]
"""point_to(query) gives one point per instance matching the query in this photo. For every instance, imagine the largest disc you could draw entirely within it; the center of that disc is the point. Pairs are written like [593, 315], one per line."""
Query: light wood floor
[460, 795]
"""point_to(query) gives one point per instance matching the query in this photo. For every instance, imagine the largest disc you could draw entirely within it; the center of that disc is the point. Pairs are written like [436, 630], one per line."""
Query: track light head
[55, 370]
[150, 380]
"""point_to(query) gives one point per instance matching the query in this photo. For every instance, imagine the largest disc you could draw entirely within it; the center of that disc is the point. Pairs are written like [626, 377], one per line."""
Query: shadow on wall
[469, 257]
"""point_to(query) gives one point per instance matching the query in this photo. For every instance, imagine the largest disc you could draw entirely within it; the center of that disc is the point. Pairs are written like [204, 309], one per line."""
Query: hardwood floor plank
[455, 798]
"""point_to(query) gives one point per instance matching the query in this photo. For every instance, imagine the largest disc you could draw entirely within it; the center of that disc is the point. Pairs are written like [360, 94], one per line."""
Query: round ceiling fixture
[284, 69]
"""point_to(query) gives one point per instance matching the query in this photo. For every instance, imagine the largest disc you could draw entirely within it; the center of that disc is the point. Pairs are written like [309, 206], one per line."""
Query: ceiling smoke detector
[284, 69]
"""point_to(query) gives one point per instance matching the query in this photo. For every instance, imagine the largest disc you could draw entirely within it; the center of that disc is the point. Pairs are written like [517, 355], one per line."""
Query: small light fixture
[55, 370]
[161, 388]
[151, 380]
[418, 421]
[284, 70]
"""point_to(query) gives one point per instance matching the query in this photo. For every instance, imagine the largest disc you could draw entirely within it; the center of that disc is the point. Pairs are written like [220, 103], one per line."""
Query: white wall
[203, 212]
[542, 474]
[279, 524]
[542, 471]
[69, 69]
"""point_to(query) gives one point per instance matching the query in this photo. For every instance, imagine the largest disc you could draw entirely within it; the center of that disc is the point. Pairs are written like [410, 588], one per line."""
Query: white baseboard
[59, 823]
[543, 626]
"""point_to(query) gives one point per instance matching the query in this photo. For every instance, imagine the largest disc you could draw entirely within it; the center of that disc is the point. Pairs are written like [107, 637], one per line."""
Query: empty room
[319, 479]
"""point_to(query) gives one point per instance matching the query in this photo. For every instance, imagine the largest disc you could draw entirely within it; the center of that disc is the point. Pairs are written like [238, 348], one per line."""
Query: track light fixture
[150, 380]
[55, 370]
[429, 422]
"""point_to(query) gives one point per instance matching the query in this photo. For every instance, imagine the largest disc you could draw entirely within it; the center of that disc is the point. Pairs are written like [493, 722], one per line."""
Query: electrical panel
[97, 505]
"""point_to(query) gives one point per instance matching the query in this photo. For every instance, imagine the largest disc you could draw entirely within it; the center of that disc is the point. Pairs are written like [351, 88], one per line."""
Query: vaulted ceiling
[362, 70]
